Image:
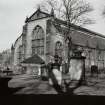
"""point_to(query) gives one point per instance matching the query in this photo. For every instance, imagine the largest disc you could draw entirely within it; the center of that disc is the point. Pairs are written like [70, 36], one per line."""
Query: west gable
[37, 15]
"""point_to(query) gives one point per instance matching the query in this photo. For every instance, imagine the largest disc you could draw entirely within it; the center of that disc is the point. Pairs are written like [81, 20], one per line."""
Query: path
[37, 86]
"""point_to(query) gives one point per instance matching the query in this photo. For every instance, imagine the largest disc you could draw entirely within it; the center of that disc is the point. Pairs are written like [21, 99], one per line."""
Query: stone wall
[30, 28]
[16, 50]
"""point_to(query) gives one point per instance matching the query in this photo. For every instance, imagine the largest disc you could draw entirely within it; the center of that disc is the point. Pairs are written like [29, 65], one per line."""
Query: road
[95, 86]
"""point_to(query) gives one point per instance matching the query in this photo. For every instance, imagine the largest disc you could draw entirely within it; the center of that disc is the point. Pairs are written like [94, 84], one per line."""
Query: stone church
[43, 34]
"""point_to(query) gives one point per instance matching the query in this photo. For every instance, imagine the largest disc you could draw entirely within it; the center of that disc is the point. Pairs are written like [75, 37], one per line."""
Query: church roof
[59, 21]
[34, 60]
[80, 36]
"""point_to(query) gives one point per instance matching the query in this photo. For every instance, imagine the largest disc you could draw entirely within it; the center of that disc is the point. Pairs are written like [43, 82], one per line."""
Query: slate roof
[82, 35]
[59, 21]
[34, 60]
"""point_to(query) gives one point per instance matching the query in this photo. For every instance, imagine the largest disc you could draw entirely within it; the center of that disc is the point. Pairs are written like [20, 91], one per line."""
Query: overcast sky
[14, 12]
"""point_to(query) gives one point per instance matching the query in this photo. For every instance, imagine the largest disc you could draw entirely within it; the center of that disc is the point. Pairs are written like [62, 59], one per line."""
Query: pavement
[31, 85]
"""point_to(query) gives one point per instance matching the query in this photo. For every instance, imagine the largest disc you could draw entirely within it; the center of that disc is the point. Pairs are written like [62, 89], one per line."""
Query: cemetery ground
[31, 85]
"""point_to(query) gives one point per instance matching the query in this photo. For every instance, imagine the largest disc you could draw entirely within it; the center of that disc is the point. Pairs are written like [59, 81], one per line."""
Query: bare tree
[52, 4]
[71, 11]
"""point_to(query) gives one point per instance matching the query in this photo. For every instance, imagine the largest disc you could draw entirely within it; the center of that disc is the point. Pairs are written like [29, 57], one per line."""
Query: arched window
[38, 41]
[58, 48]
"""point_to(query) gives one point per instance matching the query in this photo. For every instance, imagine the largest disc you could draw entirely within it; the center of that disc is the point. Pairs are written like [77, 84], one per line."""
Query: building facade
[5, 59]
[43, 34]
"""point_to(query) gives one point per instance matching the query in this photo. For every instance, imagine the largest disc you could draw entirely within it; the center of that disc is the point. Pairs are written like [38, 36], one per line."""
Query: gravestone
[77, 69]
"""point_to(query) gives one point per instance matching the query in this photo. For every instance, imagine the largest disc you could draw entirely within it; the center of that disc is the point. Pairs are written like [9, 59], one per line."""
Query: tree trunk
[69, 56]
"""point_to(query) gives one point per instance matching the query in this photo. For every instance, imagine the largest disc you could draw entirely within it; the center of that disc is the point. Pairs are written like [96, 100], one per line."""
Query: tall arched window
[38, 41]
[58, 48]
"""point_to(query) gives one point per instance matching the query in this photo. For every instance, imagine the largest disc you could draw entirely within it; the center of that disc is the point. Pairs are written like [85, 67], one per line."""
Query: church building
[43, 34]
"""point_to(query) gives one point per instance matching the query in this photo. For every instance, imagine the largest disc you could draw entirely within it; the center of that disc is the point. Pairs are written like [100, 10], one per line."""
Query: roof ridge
[36, 12]
[81, 28]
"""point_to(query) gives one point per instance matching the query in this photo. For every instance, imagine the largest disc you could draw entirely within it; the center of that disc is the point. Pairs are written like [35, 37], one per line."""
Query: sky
[13, 14]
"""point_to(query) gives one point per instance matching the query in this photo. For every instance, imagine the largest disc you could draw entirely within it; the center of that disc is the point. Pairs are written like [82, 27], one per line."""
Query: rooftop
[34, 60]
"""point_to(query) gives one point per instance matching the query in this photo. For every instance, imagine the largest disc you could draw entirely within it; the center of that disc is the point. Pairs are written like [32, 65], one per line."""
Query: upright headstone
[77, 68]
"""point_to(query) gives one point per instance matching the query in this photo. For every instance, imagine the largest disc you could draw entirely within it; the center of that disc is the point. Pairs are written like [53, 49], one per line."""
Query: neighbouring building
[1, 58]
[43, 34]
[5, 58]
